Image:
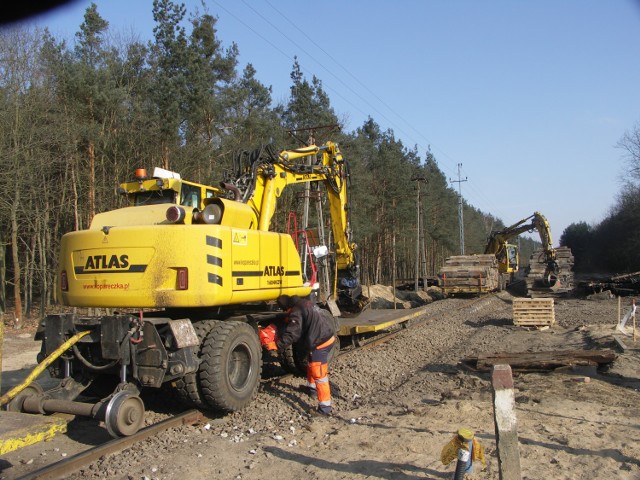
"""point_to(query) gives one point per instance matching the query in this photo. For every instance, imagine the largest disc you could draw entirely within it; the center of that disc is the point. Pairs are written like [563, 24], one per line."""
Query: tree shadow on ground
[492, 322]
[576, 419]
[447, 368]
[613, 453]
[369, 468]
[291, 395]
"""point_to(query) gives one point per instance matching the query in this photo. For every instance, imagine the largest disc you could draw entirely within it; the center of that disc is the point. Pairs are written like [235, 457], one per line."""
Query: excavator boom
[262, 175]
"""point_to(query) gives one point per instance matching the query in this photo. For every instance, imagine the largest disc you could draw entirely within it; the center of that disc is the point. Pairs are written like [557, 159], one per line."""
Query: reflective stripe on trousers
[318, 374]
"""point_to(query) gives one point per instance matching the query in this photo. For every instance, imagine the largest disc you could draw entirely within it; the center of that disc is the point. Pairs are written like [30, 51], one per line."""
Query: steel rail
[380, 338]
[412, 323]
[72, 464]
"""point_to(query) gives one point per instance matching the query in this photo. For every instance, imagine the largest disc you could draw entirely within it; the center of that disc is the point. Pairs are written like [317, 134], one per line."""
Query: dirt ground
[396, 406]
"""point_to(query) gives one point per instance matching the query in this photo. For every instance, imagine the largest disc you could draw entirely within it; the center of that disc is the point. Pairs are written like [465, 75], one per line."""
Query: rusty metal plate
[184, 333]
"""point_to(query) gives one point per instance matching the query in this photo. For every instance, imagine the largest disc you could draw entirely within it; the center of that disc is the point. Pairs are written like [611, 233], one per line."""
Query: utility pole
[460, 219]
[417, 180]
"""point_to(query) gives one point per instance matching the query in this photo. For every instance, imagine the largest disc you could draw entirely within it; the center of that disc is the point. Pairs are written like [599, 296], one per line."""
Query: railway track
[372, 340]
[381, 338]
[64, 468]
[70, 465]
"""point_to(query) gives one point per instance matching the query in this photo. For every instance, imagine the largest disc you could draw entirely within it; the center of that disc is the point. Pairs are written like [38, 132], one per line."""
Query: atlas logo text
[101, 262]
[272, 270]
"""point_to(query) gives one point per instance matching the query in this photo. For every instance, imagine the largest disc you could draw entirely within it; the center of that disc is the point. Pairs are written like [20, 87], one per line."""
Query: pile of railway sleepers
[535, 280]
[469, 274]
[622, 285]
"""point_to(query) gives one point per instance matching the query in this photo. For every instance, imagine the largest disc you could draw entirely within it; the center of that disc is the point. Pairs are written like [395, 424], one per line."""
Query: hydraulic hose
[11, 394]
[89, 365]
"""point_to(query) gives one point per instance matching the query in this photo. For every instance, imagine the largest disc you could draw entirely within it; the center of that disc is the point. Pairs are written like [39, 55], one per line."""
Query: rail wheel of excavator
[124, 415]
[550, 279]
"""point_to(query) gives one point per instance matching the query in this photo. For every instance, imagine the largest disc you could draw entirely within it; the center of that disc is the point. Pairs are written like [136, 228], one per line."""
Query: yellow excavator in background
[508, 255]
[496, 268]
[190, 268]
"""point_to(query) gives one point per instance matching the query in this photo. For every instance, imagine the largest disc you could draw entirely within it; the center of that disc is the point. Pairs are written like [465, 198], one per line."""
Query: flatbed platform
[19, 430]
[371, 320]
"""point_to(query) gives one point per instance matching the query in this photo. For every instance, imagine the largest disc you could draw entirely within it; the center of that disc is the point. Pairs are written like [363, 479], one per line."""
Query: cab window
[190, 196]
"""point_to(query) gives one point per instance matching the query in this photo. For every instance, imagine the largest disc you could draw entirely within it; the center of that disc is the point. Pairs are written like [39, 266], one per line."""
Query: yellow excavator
[508, 256]
[184, 272]
[496, 268]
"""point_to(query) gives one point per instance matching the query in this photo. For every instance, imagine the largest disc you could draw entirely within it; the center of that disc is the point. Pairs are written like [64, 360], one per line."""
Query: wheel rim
[124, 415]
[239, 366]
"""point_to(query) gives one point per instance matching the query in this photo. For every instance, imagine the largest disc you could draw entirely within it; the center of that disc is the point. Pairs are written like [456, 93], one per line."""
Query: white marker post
[506, 425]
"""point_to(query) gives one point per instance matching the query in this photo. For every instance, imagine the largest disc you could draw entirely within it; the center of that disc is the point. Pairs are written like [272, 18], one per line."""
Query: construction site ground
[396, 405]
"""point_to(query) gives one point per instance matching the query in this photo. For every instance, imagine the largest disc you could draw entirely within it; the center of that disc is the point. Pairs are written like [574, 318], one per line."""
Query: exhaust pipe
[232, 188]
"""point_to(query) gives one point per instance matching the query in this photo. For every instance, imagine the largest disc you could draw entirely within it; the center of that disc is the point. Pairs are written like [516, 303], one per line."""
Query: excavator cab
[512, 258]
[164, 186]
[507, 258]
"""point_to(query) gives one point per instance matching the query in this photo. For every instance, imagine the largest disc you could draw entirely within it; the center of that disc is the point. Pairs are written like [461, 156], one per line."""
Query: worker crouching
[306, 326]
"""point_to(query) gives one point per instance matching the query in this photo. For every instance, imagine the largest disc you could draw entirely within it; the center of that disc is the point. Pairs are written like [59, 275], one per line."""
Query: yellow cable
[7, 397]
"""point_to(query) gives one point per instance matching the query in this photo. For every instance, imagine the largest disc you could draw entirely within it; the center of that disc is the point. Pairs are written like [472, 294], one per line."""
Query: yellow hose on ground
[11, 394]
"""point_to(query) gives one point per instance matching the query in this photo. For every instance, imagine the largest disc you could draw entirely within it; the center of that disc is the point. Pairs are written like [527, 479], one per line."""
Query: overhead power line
[483, 199]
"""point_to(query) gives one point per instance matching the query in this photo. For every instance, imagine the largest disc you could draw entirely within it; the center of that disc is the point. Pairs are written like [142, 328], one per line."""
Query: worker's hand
[268, 336]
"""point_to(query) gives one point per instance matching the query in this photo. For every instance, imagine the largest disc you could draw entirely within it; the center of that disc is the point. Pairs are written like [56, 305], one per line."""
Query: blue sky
[531, 97]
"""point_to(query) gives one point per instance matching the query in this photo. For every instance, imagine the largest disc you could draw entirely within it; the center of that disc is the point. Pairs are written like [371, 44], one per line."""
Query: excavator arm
[538, 222]
[262, 176]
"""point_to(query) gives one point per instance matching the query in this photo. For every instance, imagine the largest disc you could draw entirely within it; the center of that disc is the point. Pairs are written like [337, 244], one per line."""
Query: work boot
[308, 390]
[317, 413]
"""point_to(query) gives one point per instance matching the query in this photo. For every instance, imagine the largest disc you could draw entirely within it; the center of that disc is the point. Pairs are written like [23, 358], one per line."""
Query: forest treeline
[77, 119]
[613, 245]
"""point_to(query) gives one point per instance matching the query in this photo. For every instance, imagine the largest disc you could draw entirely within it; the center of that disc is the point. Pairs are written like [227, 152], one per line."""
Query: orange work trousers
[318, 374]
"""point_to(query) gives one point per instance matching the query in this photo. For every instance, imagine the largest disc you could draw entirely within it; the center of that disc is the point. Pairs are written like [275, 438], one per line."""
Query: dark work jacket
[307, 326]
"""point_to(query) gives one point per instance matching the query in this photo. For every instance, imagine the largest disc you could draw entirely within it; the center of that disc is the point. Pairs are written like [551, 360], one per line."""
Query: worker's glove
[268, 336]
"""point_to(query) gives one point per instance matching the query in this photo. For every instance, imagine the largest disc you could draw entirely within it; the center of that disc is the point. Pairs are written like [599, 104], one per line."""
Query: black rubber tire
[231, 367]
[187, 388]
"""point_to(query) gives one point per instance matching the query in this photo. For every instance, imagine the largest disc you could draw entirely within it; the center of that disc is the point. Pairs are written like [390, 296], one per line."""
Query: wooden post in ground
[633, 306]
[506, 425]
